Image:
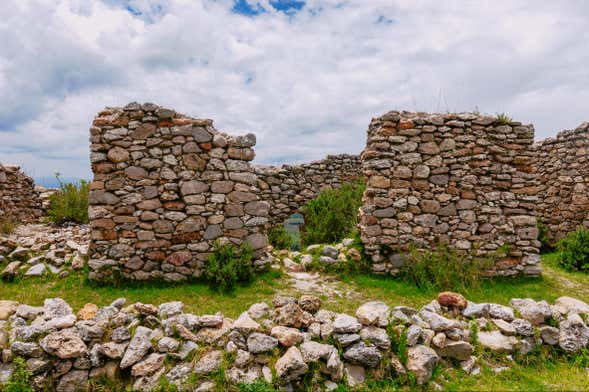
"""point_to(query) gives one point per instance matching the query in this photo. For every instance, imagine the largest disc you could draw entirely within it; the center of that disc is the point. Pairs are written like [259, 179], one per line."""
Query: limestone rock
[421, 361]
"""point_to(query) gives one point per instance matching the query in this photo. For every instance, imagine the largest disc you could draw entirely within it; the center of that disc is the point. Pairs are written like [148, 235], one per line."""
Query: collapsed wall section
[462, 179]
[563, 173]
[289, 187]
[166, 188]
[19, 201]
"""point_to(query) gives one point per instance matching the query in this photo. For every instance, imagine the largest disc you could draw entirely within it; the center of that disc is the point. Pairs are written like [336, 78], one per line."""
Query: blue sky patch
[249, 8]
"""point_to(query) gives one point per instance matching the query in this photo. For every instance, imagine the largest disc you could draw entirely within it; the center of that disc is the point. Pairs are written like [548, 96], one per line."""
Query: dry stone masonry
[140, 345]
[289, 187]
[464, 179]
[166, 187]
[18, 198]
[563, 173]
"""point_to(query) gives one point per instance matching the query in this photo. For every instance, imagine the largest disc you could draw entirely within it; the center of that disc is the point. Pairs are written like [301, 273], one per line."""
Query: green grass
[197, 297]
[550, 374]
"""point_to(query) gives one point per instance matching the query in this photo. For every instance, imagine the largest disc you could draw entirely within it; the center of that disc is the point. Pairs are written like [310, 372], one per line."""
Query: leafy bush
[446, 268]
[333, 215]
[228, 265]
[70, 203]
[19, 380]
[573, 250]
[544, 238]
[7, 224]
[279, 238]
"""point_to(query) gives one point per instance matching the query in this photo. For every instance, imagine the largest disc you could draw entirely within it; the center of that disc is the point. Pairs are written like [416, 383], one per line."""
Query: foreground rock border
[148, 344]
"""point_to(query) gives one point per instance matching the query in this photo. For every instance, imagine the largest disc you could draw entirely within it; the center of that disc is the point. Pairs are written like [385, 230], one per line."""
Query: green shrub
[229, 265]
[333, 215]
[573, 250]
[70, 203]
[445, 268]
[19, 380]
[544, 237]
[279, 238]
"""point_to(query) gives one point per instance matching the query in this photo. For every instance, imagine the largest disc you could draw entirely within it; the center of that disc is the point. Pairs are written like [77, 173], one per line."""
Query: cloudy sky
[305, 76]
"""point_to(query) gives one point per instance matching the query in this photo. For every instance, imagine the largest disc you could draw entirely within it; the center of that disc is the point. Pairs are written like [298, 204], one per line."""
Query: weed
[573, 250]
[546, 245]
[503, 119]
[70, 203]
[258, 386]
[399, 344]
[333, 214]
[19, 379]
[474, 333]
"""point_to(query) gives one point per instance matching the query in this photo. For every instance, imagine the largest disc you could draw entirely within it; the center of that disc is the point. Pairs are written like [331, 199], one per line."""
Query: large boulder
[374, 313]
[534, 312]
[496, 341]
[421, 361]
[290, 366]
[574, 334]
[64, 344]
[139, 346]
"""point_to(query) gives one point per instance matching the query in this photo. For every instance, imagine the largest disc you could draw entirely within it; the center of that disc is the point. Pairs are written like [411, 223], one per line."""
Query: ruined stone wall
[462, 179]
[289, 187]
[166, 187]
[563, 173]
[18, 198]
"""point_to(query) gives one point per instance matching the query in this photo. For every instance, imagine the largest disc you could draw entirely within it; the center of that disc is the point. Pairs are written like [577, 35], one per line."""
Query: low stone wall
[18, 198]
[563, 174]
[142, 344]
[166, 187]
[289, 187]
[463, 179]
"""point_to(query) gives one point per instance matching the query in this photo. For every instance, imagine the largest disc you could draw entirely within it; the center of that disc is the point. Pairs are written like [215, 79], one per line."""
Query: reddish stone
[405, 124]
[186, 237]
[182, 121]
[450, 299]
[206, 146]
[155, 255]
[179, 258]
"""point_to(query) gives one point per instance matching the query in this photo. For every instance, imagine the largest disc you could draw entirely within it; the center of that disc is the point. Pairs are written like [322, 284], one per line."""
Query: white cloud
[307, 84]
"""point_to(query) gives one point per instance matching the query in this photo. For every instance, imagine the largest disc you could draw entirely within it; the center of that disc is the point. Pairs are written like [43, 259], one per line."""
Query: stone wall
[140, 346]
[463, 179]
[563, 173]
[18, 198]
[289, 187]
[166, 187]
